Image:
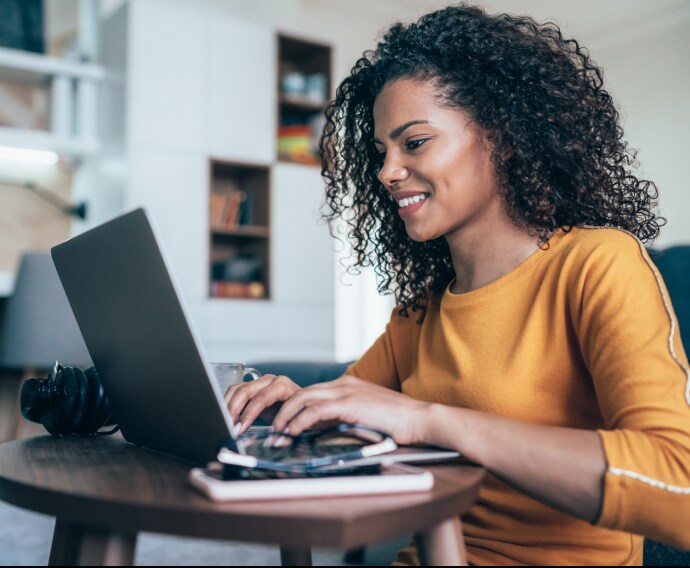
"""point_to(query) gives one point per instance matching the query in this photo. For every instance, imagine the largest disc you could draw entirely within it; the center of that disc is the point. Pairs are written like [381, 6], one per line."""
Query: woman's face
[436, 163]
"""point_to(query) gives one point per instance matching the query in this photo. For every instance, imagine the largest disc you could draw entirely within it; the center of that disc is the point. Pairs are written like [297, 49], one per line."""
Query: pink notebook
[393, 478]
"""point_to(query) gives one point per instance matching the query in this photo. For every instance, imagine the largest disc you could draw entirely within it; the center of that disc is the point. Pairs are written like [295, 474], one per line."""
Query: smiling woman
[481, 168]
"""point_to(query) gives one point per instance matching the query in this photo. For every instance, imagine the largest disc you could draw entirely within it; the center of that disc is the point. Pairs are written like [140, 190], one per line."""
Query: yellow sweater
[580, 335]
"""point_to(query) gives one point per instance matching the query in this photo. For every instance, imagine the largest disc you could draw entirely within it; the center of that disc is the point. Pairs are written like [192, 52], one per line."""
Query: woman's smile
[409, 203]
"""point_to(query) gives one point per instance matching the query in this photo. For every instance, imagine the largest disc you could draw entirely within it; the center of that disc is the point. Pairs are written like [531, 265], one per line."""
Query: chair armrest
[303, 373]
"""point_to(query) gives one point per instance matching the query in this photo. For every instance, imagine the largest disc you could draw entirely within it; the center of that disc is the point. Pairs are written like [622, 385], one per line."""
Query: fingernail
[282, 440]
[240, 428]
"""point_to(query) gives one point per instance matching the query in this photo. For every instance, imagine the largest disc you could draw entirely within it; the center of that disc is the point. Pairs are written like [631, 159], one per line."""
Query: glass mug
[228, 374]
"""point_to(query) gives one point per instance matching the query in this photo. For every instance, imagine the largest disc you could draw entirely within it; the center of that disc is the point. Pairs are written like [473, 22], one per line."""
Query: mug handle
[253, 372]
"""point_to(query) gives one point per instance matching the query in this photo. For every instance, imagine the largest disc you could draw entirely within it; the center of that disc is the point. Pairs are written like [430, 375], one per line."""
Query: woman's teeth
[410, 200]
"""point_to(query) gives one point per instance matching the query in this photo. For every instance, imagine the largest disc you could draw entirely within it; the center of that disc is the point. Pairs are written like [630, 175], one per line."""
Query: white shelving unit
[213, 97]
[74, 102]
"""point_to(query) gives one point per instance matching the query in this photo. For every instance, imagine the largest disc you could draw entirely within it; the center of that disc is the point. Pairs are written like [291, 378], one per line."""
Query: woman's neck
[481, 257]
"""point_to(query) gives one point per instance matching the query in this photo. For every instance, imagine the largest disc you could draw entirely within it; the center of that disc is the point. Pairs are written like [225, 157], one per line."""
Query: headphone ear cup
[81, 401]
[97, 410]
[31, 402]
[48, 411]
[68, 403]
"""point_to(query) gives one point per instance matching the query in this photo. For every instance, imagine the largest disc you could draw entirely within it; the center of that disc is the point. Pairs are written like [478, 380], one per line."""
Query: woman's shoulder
[600, 241]
[597, 251]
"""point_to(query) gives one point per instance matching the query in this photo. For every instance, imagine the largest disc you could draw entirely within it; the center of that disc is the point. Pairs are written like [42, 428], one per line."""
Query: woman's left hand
[352, 400]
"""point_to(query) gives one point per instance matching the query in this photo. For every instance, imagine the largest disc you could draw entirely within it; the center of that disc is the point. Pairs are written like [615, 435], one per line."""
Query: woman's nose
[392, 171]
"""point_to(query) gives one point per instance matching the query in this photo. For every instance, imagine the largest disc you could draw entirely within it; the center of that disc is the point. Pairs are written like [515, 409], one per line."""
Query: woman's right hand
[262, 397]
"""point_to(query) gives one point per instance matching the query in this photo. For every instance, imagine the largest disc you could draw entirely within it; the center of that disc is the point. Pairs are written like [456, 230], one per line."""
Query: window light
[25, 155]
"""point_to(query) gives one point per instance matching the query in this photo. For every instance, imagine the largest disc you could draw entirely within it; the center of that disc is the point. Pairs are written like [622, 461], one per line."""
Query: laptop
[141, 340]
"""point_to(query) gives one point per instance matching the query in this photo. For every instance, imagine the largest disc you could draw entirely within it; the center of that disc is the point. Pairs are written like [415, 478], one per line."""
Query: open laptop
[141, 340]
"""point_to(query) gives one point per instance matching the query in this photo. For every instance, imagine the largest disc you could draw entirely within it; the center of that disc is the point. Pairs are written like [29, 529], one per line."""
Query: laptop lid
[138, 335]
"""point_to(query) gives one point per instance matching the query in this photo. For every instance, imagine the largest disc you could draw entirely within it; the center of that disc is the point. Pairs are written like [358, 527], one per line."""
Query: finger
[313, 414]
[278, 391]
[300, 400]
[237, 396]
[243, 385]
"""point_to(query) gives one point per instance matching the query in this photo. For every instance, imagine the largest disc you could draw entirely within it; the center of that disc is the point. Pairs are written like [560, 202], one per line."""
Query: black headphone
[69, 401]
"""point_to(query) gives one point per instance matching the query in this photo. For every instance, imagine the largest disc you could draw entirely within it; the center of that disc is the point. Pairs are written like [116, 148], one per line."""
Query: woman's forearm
[562, 467]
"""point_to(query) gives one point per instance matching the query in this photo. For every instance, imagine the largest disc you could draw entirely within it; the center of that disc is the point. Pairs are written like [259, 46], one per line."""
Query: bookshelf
[239, 264]
[304, 87]
[239, 230]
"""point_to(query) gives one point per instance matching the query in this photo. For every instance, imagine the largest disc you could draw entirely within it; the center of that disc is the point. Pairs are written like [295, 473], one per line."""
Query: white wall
[649, 75]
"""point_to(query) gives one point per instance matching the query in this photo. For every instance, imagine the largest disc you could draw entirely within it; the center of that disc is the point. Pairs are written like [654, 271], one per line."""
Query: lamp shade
[39, 326]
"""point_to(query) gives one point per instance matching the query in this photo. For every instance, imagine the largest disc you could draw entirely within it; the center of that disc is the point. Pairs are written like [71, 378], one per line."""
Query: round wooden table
[103, 491]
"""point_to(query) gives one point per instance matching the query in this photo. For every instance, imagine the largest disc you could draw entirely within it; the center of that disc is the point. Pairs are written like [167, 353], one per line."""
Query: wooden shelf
[315, 163]
[302, 103]
[238, 290]
[252, 231]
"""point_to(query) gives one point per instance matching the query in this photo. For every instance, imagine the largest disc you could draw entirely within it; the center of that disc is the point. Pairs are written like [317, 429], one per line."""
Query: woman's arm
[561, 467]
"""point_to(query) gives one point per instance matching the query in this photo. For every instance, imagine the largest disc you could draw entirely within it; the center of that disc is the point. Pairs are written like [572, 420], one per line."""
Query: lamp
[74, 210]
[39, 328]
[39, 323]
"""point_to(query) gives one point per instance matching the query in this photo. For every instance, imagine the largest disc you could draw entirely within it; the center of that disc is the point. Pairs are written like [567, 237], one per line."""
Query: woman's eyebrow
[400, 129]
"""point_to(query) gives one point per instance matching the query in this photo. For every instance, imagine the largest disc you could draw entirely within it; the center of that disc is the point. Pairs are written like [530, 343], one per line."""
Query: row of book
[296, 143]
[230, 209]
[229, 289]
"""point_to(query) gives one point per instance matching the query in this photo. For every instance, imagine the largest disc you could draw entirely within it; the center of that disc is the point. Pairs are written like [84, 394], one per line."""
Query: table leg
[290, 556]
[79, 545]
[442, 545]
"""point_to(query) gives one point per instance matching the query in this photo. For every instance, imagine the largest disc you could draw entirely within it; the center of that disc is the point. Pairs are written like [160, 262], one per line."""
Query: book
[229, 289]
[233, 208]
[217, 204]
[294, 131]
[393, 478]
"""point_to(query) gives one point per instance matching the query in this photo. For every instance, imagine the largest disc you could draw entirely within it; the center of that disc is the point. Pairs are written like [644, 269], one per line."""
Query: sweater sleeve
[390, 357]
[631, 344]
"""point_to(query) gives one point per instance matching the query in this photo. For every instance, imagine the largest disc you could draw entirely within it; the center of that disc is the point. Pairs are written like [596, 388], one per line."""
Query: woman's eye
[414, 144]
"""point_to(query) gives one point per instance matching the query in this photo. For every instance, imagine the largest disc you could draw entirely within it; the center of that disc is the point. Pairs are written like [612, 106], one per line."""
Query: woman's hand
[352, 400]
[262, 397]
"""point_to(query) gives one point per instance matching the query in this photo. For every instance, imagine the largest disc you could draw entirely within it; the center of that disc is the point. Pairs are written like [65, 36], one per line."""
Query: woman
[481, 169]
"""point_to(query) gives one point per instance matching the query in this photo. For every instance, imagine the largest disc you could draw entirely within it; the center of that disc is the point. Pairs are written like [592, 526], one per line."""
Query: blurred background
[205, 112]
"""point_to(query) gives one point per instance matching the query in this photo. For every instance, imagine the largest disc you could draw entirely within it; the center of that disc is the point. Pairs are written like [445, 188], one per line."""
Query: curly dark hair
[558, 146]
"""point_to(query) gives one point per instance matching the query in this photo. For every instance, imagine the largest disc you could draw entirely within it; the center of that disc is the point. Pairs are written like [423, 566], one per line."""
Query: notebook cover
[393, 478]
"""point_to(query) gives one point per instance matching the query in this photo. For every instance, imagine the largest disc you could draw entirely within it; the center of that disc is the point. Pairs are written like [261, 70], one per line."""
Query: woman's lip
[399, 194]
[410, 210]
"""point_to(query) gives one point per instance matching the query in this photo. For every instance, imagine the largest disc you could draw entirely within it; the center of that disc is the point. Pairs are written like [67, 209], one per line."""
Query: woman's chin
[420, 235]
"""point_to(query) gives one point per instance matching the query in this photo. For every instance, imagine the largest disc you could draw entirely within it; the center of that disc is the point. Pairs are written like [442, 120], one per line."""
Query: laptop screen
[138, 335]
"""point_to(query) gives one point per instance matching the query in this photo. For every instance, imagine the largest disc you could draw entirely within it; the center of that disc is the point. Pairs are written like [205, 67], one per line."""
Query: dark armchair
[304, 373]
[674, 265]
